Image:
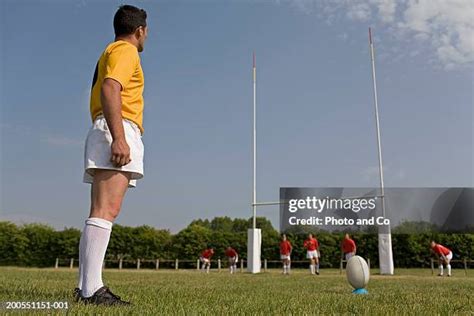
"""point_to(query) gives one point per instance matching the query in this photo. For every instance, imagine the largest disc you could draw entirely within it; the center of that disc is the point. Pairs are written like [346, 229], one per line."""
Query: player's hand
[120, 153]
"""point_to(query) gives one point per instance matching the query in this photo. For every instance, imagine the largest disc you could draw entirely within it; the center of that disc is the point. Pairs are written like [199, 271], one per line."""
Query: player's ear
[139, 32]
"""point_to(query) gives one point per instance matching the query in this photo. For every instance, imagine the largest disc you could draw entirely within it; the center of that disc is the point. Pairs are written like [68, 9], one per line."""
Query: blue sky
[315, 107]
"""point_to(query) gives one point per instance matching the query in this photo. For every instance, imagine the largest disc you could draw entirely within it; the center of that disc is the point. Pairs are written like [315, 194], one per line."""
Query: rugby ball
[357, 272]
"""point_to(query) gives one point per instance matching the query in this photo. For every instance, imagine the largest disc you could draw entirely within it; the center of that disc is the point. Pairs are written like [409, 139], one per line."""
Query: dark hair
[127, 19]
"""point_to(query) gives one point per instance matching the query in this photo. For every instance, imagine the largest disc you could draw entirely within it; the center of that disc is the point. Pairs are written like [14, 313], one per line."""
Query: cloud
[359, 11]
[446, 26]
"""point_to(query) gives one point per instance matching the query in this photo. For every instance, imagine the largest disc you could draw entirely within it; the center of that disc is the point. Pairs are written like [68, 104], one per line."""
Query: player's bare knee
[113, 210]
[109, 213]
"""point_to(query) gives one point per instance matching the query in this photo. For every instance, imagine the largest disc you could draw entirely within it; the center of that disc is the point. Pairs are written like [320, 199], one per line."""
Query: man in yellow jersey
[113, 158]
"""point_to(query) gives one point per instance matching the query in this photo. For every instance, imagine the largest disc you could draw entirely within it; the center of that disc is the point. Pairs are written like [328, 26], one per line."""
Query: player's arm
[437, 255]
[111, 101]
[121, 64]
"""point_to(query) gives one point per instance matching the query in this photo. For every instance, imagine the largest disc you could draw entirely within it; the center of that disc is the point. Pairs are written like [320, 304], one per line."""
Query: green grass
[412, 291]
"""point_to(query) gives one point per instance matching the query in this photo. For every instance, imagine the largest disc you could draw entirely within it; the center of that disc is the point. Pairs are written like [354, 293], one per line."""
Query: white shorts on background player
[285, 257]
[449, 256]
[204, 260]
[312, 254]
[97, 151]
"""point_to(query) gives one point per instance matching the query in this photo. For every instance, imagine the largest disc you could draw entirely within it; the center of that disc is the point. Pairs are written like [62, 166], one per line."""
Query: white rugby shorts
[97, 150]
[312, 254]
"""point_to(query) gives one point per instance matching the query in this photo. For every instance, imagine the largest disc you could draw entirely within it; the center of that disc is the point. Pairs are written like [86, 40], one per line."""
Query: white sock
[311, 268]
[448, 266]
[441, 269]
[284, 268]
[317, 267]
[94, 240]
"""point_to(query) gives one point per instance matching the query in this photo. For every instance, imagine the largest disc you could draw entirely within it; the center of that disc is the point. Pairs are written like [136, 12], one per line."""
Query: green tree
[121, 244]
[13, 245]
[189, 242]
[224, 224]
[67, 243]
[41, 242]
[149, 243]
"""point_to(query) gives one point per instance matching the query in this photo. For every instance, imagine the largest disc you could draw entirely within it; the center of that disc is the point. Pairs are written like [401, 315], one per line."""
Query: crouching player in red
[285, 252]
[205, 258]
[311, 244]
[444, 254]
[233, 258]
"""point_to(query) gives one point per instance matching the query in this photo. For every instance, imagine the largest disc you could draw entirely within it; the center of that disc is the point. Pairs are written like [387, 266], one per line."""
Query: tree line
[39, 245]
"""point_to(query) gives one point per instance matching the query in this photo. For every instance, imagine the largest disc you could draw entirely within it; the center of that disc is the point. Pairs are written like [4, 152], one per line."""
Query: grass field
[412, 291]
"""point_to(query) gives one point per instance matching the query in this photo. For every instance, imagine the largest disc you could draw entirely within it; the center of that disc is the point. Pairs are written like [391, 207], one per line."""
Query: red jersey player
[444, 254]
[233, 257]
[348, 247]
[285, 252]
[205, 258]
[311, 244]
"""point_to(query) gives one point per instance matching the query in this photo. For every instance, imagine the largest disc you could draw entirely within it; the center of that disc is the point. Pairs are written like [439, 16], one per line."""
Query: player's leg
[441, 262]
[236, 259]
[448, 262]
[284, 262]
[316, 261]
[108, 190]
[203, 264]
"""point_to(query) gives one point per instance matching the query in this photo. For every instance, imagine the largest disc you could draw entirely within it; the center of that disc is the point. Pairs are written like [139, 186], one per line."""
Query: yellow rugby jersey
[120, 61]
